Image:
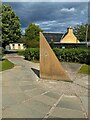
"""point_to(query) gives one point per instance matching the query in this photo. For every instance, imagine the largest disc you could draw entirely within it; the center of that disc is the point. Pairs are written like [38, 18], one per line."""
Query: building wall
[16, 46]
[21, 46]
[70, 37]
[71, 45]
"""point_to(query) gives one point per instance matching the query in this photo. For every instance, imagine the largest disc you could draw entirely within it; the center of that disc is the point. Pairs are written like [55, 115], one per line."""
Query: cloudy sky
[51, 16]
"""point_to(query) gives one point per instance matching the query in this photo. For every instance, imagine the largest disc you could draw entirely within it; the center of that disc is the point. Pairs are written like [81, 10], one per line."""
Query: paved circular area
[24, 95]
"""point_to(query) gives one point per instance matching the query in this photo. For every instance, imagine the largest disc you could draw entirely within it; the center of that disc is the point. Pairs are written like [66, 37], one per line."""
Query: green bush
[31, 54]
[1, 52]
[21, 52]
[79, 55]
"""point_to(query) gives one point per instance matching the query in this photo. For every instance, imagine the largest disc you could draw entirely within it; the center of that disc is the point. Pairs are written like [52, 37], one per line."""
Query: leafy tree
[30, 43]
[80, 32]
[0, 23]
[1, 53]
[52, 44]
[11, 31]
[32, 35]
[89, 32]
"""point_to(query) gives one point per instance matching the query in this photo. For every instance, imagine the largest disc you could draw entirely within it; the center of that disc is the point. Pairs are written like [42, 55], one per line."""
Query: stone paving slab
[83, 82]
[85, 101]
[37, 105]
[11, 89]
[22, 111]
[25, 96]
[72, 69]
[34, 92]
[0, 95]
[66, 113]
[25, 83]
[46, 100]
[70, 102]
[14, 98]
[53, 95]
[28, 87]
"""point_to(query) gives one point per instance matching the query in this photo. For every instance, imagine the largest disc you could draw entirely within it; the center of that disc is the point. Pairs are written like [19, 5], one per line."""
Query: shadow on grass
[37, 72]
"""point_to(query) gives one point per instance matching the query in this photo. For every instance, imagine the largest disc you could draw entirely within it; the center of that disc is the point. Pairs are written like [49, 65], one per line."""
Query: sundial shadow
[36, 71]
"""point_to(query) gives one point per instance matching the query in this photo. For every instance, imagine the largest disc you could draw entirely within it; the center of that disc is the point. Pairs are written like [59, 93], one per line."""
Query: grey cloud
[51, 16]
[68, 10]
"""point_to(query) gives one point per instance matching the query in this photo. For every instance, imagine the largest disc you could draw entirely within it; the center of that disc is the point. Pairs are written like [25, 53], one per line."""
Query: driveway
[25, 95]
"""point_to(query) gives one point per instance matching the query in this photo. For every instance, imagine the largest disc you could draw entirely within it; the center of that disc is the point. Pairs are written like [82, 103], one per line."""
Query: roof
[56, 37]
[69, 36]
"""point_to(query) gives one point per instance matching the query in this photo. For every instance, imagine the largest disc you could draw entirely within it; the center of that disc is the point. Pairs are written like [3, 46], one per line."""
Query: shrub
[31, 43]
[1, 52]
[21, 52]
[79, 55]
[31, 54]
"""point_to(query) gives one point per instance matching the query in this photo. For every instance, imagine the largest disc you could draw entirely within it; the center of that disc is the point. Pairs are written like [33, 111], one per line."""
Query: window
[13, 45]
[18, 46]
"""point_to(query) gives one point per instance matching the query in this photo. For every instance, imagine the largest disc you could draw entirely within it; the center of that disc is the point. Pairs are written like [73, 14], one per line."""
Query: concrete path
[24, 95]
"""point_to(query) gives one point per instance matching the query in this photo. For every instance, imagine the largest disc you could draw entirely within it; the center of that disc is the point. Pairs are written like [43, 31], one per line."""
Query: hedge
[20, 52]
[1, 52]
[79, 55]
[31, 54]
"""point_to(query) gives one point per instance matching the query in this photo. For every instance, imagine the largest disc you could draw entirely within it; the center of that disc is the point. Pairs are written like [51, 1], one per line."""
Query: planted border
[79, 55]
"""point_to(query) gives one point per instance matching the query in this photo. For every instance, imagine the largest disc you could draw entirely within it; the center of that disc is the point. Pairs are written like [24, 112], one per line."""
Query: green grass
[85, 69]
[6, 64]
[35, 61]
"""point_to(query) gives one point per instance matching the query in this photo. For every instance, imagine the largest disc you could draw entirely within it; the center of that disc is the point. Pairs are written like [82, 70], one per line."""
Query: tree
[88, 32]
[11, 31]
[52, 44]
[0, 23]
[32, 35]
[80, 32]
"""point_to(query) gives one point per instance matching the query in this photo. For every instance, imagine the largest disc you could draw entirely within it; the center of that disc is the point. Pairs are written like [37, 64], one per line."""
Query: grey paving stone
[10, 83]
[25, 82]
[7, 100]
[67, 113]
[9, 114]
[22, 99]
[54, 118]
[11, 99]
[71, 102]
[37, 105]
[47, 100]
[85, 102]
[83, 81]
[34, 92]
[53, 95]
[11, 89]
[27, 87]
[22, 111]
[72, 66]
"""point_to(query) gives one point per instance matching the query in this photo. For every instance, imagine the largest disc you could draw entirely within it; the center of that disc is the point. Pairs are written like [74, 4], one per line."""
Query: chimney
[70, 30]
[69, 37]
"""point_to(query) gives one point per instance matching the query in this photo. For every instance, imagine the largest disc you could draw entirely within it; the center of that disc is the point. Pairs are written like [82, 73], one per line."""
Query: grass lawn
[85, 69]
[35, 61]
[6, 64]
